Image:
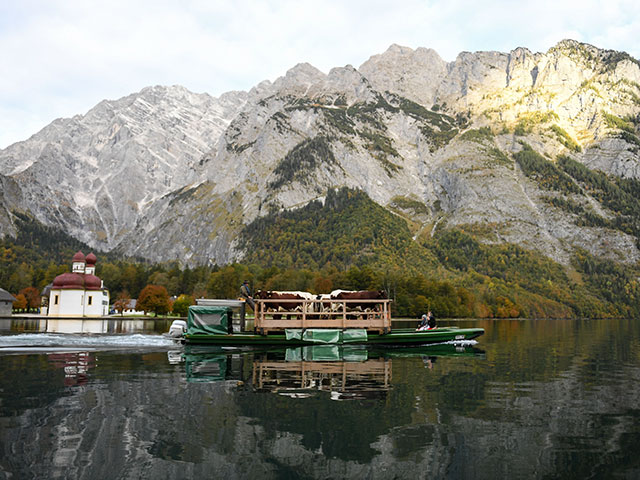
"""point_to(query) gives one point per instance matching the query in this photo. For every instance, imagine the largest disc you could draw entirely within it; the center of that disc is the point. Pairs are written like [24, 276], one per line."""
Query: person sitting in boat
[245, 292]
[427, 322]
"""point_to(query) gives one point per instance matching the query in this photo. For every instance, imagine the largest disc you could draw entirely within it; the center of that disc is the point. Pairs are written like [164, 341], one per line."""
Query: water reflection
[544, 399]
[346, 372]
[83, 325]
[76, 366]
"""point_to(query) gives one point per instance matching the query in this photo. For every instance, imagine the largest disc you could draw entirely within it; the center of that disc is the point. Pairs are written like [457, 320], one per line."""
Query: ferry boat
[305, 322]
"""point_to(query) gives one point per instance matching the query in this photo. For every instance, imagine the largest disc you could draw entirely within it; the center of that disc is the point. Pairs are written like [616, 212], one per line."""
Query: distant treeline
[350, 242]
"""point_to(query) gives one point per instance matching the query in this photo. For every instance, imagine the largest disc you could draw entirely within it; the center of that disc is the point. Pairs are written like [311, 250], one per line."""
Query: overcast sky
[61, 57]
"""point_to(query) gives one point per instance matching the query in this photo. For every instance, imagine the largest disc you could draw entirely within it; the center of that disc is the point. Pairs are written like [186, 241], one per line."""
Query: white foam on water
[34, 340]
[464, 343]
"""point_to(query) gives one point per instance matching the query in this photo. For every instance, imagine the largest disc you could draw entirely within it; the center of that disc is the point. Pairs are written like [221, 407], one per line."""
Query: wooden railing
[375, 316]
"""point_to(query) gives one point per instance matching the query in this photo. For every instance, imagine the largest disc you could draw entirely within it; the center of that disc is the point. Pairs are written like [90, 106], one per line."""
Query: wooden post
[304, 313]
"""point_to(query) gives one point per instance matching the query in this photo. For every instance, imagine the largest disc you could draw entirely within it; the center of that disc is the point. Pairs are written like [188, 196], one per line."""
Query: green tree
[225, 283]
[181, 305]
[154, 298]
[171, 283]
[111, 276]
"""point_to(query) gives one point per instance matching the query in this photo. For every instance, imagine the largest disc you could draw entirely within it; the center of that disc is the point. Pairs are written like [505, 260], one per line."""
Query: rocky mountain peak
[166, 173]
[569, 46]
[298, 79]
[414, 74]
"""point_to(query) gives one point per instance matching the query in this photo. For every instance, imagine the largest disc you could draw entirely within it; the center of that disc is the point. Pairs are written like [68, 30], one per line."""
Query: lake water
[529, 399]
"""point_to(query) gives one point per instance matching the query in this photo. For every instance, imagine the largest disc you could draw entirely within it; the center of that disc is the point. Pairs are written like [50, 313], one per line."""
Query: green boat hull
[396, 337]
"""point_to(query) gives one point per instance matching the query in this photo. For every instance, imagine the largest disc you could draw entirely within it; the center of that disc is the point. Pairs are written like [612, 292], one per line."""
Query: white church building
[79, 293]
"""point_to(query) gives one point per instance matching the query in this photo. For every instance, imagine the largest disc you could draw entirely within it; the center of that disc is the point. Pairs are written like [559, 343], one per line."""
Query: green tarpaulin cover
[208, 319]
[318, 335]
[293, 333]
[354, 335]
[327, 335]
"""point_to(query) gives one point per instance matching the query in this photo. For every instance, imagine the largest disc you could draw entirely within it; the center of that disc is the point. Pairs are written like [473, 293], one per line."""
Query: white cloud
[61, 57]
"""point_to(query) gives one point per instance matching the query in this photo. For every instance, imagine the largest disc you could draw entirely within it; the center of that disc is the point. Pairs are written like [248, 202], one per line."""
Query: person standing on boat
[245, 292]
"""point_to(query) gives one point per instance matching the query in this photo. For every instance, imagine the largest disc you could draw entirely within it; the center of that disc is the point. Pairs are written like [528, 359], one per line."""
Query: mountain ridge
[168, 174]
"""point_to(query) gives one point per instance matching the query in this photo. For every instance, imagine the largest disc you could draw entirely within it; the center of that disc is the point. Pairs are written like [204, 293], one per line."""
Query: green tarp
[327, 335]
[354, 335]
[209, 320]
[293, 333]
[317, 335]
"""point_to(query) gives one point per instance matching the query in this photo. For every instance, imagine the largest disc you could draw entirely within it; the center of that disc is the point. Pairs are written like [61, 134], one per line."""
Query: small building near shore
[131, 308]
[6, 302]
[79, 293]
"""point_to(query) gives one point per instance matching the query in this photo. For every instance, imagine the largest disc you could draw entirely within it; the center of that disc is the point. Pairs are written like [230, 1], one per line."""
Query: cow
[286, 306]
[358, 295]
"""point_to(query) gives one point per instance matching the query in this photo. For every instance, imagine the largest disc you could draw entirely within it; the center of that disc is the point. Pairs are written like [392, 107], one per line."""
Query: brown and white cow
[359, 295]
[284, 305]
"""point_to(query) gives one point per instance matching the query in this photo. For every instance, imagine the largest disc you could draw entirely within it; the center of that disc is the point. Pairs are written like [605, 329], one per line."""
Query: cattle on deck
[358, 295]
[274, 295]
[338, 309]
[282, 301]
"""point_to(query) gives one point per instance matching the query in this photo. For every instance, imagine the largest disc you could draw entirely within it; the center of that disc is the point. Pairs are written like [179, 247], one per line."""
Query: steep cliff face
[167, 174]
[96, 174]
[572, 84]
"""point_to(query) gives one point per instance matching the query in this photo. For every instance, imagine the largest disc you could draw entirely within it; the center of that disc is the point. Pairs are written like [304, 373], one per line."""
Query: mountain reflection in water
[532, 399]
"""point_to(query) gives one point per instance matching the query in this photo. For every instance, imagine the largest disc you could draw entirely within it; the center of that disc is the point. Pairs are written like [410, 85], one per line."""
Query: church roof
[46, 290]
[69, 280]
[91, 282]
[79, 280]
[6, 296]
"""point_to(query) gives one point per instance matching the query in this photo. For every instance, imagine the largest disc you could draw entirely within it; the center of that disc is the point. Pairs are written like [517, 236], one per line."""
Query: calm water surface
[530, 399]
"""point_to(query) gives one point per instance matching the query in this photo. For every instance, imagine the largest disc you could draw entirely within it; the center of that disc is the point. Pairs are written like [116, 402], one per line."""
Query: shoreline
[36, 316]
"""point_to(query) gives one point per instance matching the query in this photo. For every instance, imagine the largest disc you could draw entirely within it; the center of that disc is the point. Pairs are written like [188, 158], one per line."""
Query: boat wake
[462, 343]
[47, 342]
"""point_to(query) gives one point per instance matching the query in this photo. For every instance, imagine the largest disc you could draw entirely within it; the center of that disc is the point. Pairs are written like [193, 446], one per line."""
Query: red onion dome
[69, 280]
[91, 282]
[91, 259]
[78, 257]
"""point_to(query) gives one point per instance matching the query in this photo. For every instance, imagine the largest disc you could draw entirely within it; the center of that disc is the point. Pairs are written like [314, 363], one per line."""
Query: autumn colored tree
[154, 298]
[181, 305]
[122, 302]
[32, 294]
[20, 303]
